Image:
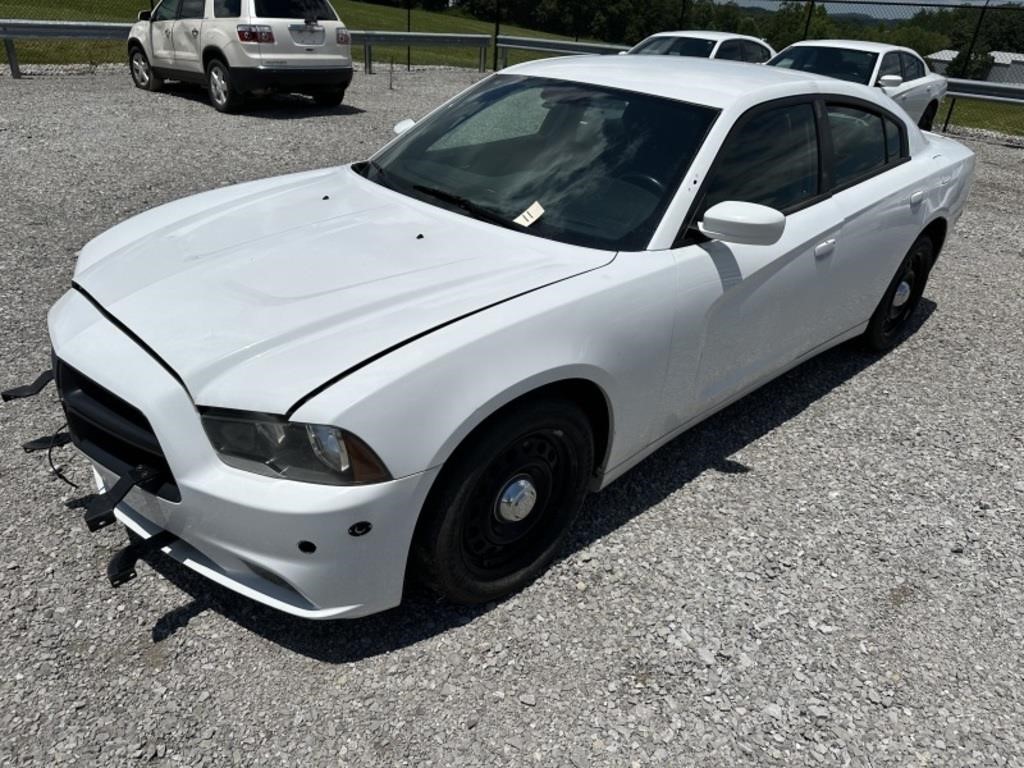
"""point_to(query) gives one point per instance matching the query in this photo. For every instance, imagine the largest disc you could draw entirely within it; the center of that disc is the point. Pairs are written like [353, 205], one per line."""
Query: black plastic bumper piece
[28, 390]
[121, 568]
[47, 442]
[291, 80]
[99, 508]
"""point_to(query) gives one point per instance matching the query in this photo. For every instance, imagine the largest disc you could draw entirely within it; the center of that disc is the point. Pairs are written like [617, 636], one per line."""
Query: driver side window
[771, 159]
[166, 11]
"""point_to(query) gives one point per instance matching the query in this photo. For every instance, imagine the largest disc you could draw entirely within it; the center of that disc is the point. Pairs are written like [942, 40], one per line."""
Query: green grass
[990, 115]
[356, 15]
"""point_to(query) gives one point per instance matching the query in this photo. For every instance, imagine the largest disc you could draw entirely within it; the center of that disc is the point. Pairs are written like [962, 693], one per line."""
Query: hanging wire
[49, 457]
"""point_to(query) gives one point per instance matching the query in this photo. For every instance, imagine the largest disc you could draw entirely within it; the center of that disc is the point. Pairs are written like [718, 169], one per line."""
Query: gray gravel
[829, 573]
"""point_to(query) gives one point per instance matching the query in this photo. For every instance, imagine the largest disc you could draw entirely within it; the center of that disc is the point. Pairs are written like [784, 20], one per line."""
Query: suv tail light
[255, 33]
[344, 38]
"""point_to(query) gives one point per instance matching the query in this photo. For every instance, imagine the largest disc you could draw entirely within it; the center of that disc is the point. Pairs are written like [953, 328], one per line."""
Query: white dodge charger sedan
[312, 388]
[899, 72]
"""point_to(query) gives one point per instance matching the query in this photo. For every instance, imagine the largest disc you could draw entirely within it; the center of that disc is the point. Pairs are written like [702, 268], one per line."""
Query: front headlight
[310, 453]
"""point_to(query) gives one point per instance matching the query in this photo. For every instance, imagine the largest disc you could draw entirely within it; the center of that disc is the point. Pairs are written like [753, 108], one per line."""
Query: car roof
[711, 82]
[705, 34]
[856, 45]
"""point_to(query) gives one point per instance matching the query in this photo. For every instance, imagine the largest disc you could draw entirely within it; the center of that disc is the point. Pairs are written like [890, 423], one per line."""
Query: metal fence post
[12, 58]
[483, 57]
[810, 14]
[974, 40]
[497, 30]
[368, 58]
[949, 113]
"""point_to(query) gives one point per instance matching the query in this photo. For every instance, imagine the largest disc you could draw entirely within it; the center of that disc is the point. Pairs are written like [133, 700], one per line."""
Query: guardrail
[18, 29]
[371, 38]
[506, 43]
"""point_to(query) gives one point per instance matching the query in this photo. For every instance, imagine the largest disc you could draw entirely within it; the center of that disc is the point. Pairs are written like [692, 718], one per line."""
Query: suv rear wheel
[219, 84]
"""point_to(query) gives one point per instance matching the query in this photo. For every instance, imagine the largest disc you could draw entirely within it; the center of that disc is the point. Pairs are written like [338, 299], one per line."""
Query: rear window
[841, 63]
[676, 46]
[295, 9]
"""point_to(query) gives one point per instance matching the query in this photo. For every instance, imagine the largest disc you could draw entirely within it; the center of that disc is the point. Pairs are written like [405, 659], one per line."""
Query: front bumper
[291, 78]
[239, 529]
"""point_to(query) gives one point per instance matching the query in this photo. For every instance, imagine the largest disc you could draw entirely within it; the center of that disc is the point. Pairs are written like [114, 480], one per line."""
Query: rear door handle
[195, 32]
[917, 197]
[825, 248]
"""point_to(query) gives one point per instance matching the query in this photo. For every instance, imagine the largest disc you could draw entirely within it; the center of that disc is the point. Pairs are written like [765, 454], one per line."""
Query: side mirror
[890, 81]
[403, 125]
[746, 223]
[144, 15]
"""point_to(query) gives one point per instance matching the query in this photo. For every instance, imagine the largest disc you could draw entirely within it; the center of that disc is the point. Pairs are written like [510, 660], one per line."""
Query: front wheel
[220, 86]
[142, 72]
[506, 501]
[901, 298]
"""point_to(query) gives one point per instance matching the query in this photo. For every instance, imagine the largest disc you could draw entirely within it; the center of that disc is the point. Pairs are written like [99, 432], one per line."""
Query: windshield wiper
[473, 209]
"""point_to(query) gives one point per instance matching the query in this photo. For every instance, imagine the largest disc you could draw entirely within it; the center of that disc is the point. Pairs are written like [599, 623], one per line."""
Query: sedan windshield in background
[294, 9]
[841, 63]
[676, 46]
[567, 161]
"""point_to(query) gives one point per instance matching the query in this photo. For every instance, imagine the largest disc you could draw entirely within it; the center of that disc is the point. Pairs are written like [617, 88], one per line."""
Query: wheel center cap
[902, 294]
[516, 500]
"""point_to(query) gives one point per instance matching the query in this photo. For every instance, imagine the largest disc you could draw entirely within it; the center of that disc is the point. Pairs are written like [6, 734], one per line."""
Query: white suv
[235, 47]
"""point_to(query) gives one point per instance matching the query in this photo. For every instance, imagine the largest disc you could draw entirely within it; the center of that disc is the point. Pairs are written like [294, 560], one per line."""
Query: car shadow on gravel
[279, 106]
[706, 446]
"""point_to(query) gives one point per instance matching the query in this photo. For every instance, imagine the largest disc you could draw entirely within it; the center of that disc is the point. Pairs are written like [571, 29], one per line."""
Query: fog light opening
[360, 529]
[307, 546]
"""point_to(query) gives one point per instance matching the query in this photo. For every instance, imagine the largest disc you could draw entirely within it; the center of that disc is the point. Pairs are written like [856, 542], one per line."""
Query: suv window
[859, 139]
[192, 9]
[730, 50]
[771, 159]
[166, 11]
[755, 53]
[913, 68]
[295, 9]
[890, 65]
[227, 9]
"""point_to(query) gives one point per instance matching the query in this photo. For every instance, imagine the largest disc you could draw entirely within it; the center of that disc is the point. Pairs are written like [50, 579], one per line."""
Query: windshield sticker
[530, 215]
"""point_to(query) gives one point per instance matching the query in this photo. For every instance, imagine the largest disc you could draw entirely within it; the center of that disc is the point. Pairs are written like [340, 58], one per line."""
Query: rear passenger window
[227, 9]
[754, 53]
[192, 9]
[730, 50]
[772, 159]
[913, 68]
[864, 142]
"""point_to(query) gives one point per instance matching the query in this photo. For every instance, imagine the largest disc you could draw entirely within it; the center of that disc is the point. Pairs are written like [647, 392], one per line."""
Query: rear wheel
[925, 123]
[902, 296]
[506, 502]
[142, 73]
[220, 86]
[329, 98]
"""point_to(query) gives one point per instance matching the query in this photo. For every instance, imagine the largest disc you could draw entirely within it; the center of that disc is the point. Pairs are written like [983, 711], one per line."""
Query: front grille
[111, 431]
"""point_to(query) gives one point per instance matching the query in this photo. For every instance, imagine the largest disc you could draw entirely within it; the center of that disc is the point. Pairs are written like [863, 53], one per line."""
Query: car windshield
[676, 46]
[567, 161]
[295, 9]
[841, 63]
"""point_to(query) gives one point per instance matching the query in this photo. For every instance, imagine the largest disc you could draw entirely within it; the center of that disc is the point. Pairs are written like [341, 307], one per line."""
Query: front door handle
[195, 32]
[917, 197]
[825, 248]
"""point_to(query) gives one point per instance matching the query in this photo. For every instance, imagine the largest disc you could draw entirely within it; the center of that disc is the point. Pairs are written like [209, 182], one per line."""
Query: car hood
[258, 294]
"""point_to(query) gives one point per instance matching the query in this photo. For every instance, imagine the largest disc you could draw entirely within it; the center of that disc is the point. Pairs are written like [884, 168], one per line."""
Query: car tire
[505, 502]
[891, 317]
[141, 70]
[329, 98]
[223, 95]
[925, 123]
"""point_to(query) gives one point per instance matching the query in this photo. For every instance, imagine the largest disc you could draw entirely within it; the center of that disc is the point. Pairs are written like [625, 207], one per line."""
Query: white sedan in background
[313, 387]
[899, 72]
[705, 44]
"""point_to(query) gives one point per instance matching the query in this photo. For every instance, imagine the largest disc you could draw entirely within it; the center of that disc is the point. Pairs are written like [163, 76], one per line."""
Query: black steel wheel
[902, 296]
[505, 502]
[925, 123]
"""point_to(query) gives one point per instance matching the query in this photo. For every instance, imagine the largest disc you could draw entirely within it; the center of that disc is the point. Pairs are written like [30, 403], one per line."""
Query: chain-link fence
[978, 41]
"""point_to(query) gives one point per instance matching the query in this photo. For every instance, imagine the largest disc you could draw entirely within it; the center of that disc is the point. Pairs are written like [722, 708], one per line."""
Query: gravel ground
[830, 572]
